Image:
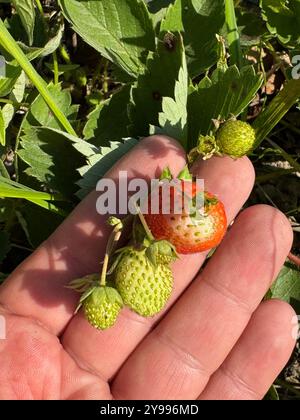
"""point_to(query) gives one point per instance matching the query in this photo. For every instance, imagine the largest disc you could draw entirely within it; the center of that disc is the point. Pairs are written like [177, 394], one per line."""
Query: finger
[36, 289]
[232, 181]
[176, 360]
[258, 357]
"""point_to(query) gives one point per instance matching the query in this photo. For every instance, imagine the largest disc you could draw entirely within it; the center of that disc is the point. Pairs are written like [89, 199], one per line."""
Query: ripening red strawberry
[190, 231]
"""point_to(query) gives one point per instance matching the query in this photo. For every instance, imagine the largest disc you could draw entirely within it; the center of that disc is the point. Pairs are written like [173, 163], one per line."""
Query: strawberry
[101, 302]
[235, 138]
[188, 231]
[101, 306]
[144, 287]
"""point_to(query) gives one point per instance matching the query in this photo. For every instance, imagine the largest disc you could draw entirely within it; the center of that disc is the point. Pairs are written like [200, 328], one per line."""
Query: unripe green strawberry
[235, 138]
[101, 306]
[145, 288]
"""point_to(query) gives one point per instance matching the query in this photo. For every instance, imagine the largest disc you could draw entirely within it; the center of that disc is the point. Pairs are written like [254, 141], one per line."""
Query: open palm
[216, 340]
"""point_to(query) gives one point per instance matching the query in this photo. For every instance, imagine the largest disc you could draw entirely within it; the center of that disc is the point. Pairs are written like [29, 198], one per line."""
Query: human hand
[216, 341]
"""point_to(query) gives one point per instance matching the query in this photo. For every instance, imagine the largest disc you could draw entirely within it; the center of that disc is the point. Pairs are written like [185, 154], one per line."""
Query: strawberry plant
[82, 82]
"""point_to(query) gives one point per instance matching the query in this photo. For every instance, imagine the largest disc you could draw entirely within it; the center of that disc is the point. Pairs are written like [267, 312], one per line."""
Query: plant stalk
[113, 239]
[10, 45]
[145, 226]
[233, 35]
[55, 68]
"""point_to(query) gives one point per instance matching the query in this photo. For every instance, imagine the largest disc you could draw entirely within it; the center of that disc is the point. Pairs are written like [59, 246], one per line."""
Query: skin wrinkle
[8, 311]
[182, 354]
[231, 297]
[83, 365]
[240, 384]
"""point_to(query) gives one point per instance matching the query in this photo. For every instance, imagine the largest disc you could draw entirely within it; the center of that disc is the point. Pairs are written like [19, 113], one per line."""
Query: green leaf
[17, 94]
[283, 19]
[6, 115]
[12, 189]
[166, 174]
[156, 5]
[51, 158]
[233, 35]
[8, 82]
[157, 82]
[251, 25]
[287, 286]
[26, 11]
[225, 94]
[173, 119]
[2, 129]
[38, 222]
[109, 121]
[202, 20]
[121, 31]
[4, 245]
[40, 114]
[52, 44]
[276, 110]
[8, 43]
[172, 22]
[100, 162]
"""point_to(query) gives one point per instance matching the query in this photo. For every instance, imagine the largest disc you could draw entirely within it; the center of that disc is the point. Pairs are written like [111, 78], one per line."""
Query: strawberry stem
[112, 240]
[145, 226]
[104, 270]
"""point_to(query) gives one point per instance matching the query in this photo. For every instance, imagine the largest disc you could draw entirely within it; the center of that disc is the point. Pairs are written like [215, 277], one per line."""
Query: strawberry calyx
[210, 200]
[206, 148]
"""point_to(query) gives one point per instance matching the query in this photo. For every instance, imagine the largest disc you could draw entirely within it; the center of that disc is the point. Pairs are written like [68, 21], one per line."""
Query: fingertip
[161, 143]
[282, 323]
[240, 170]
[276, 230]
[280, 309]
[150, 156]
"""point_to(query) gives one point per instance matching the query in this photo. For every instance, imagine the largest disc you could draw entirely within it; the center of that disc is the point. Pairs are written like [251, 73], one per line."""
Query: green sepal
[185, 174]
[115, 222]
[116, 259]
[100, 293]
[166, 174]
[210, 201]
[84, 283]
[159, 251]
[112, 294]
[83, 297]
[207, 146]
